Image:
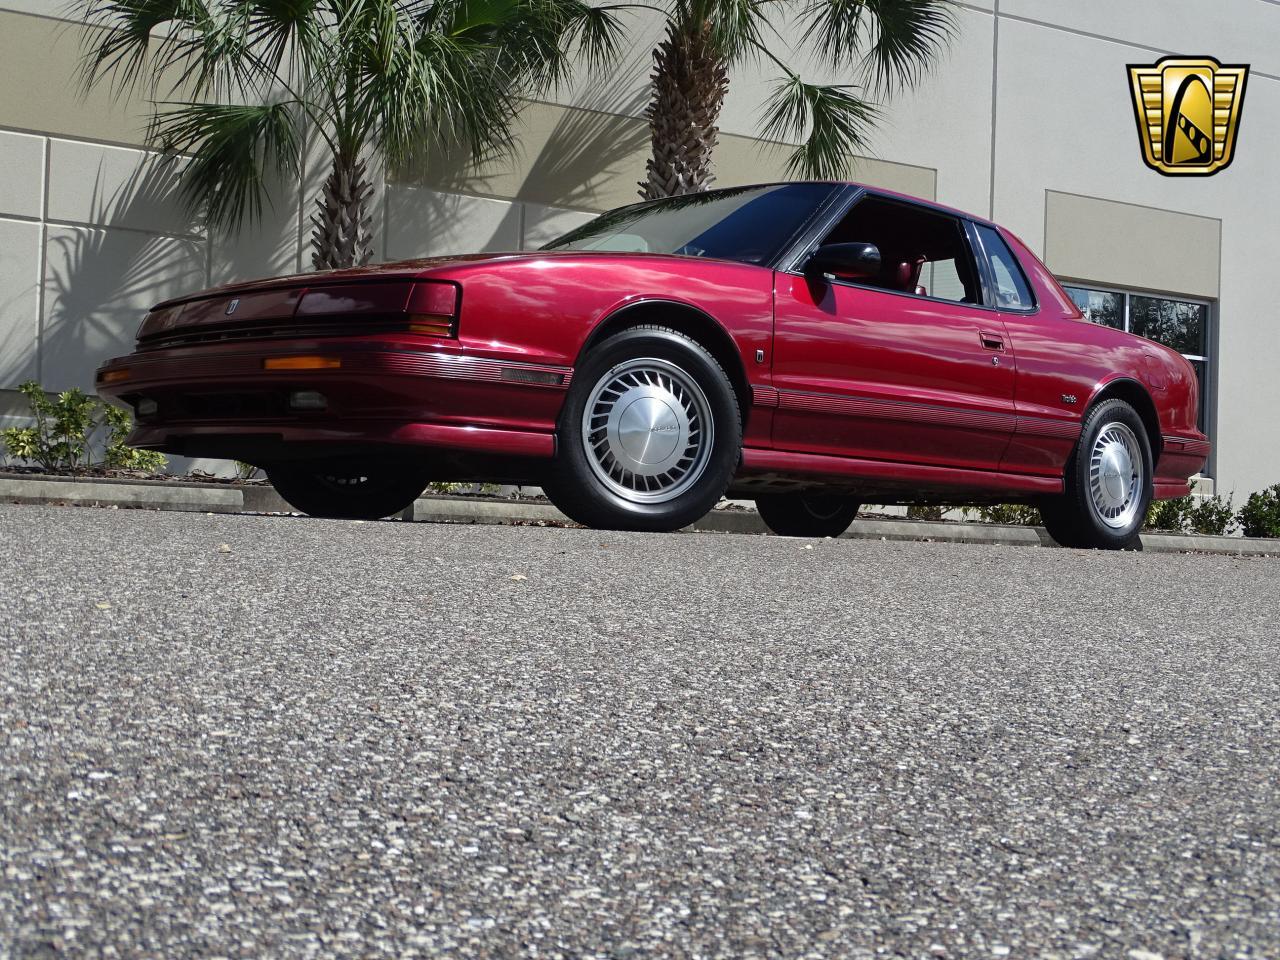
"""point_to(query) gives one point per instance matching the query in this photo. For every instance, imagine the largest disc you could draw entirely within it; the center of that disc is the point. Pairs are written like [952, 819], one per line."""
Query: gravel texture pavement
[279, 737]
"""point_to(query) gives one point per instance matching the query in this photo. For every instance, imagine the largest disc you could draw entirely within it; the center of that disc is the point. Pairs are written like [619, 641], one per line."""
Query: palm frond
[285, 35]
[232, 151]
[910, 36]
[831, 121]
[436, 89]
[896, 40]
[137, 39]
[598, 33]
[733, 26]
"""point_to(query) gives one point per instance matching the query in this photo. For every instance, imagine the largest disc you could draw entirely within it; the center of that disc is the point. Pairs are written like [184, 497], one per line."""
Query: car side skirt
[760, 466]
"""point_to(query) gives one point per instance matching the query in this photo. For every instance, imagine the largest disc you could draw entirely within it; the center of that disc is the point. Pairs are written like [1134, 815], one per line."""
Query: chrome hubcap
[1115, 475]
[647, 430]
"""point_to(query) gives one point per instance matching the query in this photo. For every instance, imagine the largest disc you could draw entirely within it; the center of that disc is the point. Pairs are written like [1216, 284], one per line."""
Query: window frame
[989, 278]
[794, 264]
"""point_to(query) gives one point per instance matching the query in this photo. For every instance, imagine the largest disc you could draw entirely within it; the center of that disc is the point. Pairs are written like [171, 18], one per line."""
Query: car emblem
[231, 307]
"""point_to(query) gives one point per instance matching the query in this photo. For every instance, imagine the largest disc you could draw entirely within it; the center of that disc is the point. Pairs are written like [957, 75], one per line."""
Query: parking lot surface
[271, 736]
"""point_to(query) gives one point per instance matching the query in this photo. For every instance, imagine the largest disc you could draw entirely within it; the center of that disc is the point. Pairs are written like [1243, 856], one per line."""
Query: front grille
[276, 329]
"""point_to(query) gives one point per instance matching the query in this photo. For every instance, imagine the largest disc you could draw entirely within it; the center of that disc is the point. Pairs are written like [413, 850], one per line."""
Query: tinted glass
[1012, 290]
[941, 279]
[751, 224]
[919, 248]
[1175, 323]
[1099, 306]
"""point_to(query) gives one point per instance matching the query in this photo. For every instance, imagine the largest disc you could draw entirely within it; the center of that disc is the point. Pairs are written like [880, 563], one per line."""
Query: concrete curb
[138, 494]
[261, 498]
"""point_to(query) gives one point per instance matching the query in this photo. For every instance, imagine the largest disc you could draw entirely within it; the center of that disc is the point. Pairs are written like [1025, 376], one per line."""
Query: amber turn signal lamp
[301, 363]
[114, 376]
[433, 308]
[431, 326]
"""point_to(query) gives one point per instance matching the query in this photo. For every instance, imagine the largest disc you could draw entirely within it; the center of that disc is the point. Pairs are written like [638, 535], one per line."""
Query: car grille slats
[274, 329]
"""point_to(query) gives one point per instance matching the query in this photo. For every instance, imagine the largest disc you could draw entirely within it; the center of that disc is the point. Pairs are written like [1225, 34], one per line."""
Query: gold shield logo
[1188, 112]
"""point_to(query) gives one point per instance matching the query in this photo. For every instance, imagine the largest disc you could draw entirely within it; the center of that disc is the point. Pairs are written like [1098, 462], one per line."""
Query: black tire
[348, 489]
[1075, 518]
[576, 482]
[806, 515]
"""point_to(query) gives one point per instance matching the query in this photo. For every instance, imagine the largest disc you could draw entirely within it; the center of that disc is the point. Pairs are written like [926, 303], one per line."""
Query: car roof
[871, 188]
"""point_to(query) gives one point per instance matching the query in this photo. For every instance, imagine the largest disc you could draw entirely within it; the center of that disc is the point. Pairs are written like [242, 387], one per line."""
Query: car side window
[922, 252]
[1012, 291]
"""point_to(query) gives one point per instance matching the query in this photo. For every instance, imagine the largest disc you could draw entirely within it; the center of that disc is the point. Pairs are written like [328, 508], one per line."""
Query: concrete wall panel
[1123, 244]
[585, 160]
[115, 187]
[21, 175]
[42, 91]
[543, 224]
[268, 248]
[1234, 31]
[427, 223]
[99, 283]
[19, 301]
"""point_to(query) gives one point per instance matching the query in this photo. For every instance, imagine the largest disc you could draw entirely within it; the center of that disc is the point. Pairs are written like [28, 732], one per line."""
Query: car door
[908, 366]
[1054, 372]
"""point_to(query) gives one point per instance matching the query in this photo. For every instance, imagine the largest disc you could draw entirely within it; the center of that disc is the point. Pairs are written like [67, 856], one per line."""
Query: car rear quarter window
[1012, 291]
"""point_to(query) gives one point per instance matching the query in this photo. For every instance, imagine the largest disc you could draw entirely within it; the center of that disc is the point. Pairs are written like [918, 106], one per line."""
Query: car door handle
[991, 341]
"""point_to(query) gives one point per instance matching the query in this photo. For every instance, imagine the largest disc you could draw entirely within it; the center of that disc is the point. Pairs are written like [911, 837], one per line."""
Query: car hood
[405, 270]
[400, 270]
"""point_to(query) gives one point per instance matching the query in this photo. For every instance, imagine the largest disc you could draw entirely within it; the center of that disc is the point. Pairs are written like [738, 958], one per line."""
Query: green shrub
[1260, 515]
[1013, 514]
[1212, 516]
[1170, 515]
[64, 427]
[483, 489]
[925, 511]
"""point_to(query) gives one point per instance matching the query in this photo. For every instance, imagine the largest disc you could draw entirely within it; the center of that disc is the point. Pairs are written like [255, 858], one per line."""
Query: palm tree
[885, 43]
[367, 78]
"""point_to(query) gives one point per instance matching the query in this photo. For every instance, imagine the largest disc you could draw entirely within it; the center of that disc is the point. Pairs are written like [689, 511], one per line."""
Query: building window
[1174, 321]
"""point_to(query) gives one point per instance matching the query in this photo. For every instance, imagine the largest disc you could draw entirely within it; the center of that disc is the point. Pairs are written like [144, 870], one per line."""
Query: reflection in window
[1180, 324]
[1099, 306]
[1012, 291]
[1175, 323]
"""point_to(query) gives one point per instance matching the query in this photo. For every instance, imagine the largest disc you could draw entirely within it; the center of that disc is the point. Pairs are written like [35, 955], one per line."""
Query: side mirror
[848, 261]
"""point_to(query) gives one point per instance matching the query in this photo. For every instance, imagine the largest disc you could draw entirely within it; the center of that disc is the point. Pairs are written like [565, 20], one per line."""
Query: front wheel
[806, 515]
[1108, 483]
[650, 434]
[348, 489]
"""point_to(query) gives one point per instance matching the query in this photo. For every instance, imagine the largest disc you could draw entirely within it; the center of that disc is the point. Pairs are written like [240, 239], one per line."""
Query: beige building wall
[1028, 120]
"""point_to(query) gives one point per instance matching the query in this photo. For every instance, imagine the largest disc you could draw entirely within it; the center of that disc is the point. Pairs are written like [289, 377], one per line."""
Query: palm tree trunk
[689, 83]
[342, 236]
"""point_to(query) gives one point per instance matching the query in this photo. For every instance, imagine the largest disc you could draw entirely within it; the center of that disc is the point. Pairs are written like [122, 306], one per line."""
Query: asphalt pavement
[247, 736]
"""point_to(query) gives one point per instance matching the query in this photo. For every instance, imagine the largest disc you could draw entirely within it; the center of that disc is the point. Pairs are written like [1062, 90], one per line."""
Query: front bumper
[1181, 458]
[221, 400]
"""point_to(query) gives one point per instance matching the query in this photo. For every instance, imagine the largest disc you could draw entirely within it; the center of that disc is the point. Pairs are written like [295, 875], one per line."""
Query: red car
[809, 345]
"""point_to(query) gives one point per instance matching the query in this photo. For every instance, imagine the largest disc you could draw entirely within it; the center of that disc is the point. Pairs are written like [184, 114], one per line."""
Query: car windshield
[748, 224]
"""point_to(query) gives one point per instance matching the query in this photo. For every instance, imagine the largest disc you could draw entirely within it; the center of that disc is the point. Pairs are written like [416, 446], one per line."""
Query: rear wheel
[1108, 483]
[806, 515]
[349, 489]
[650, 434]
